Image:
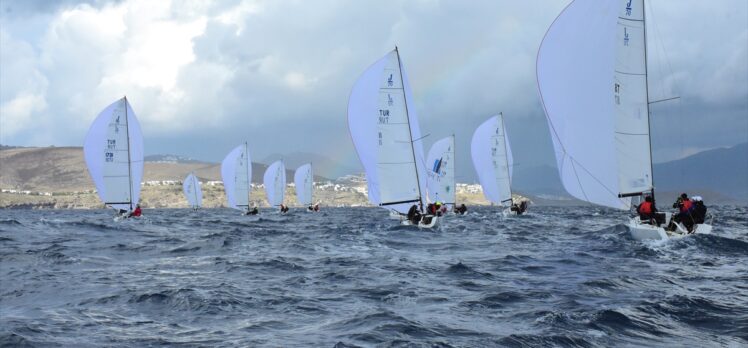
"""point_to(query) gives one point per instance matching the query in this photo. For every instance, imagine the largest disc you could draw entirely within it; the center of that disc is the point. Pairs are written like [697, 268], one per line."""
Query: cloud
[278, 73]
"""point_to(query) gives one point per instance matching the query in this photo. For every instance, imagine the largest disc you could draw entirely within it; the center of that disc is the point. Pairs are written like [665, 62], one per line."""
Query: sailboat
[592, 78]
[441, 174]
[384, 128]
[236, 173]
[492, 158]
[303, 180]
[275, 183]
[113, 150]
[192, 191]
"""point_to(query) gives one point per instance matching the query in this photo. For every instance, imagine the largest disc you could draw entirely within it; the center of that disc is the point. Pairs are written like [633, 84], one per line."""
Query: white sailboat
[385, 132]
[275, 183]
[441, 174]
[192, 191]
[113, 150]
[304, 180]
[592, 77]
[236, 173]
[492, 158]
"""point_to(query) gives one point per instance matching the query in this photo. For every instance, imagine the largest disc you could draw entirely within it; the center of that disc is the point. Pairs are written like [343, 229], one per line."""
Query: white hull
[395, 215]
[434, 222]
[642, 231]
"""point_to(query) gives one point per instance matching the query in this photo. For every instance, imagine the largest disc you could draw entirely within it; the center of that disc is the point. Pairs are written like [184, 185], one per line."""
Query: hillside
[723, 171]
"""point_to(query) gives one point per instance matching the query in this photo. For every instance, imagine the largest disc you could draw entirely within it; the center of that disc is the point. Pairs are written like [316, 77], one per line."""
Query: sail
[275, 183]
[592, 79]
[303, 180]
[492, 158]
[113, 150]
[384, 127]
[192, 191]
[236, 172]
[441, 171]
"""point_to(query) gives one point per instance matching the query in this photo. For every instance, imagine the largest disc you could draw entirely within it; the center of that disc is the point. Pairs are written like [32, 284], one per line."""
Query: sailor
[137, 212]
[520, 207]
[414, 215]
[699, 210]
[316, 207]
[310, 208]
[283, 208]
[462, 209]
[685, 208]
[647, 211]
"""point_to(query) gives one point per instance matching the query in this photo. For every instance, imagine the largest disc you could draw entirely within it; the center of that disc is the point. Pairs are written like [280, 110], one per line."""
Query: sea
[351, 277]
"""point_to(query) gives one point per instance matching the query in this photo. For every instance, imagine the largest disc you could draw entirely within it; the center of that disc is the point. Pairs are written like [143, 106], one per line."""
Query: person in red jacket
[136, 212]
[647, 211]
[685, 210]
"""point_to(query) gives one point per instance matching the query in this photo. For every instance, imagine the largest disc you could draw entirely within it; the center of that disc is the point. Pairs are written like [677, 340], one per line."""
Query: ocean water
[351, 277]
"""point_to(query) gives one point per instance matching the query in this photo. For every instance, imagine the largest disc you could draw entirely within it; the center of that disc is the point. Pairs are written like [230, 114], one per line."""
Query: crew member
[136, 212]
[647, 211]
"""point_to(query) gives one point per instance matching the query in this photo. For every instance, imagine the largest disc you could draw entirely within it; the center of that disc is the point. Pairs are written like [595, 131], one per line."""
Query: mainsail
[592, 77]
[275, 183]
[303, 181]
[192, 191]
[113, 150]
[441, 171]
[384, 127]
[492, 158]
[236, 172]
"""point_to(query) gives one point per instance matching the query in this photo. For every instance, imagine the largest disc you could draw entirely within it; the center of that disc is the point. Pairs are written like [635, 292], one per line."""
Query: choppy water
[351, 277]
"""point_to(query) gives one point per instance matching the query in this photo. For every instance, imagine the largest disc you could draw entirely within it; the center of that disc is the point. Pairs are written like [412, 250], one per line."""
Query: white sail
[591, 74]
[192, 191]
[236, 172]
[113, 150]
[385, 131]
[441, 171]
[492, 158]
[303, 180]
[275, 183]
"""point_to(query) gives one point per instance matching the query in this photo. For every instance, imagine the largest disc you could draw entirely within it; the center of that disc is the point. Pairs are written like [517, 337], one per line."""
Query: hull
[642, 231]
[427, 221]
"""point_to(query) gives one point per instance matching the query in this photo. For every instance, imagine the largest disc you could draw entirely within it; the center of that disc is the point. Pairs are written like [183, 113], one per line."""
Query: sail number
[384, 116]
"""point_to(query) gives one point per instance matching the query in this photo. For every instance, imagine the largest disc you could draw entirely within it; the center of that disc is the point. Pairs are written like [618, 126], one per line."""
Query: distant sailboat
[385, 132]
[492, 158]
[192, 191]
[303, 180]
[236, 172]
[275, 184]
[441, 174]
[113, 151]
[592, 77]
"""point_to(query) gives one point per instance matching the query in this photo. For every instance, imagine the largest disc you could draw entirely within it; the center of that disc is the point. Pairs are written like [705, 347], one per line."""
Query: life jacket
[687, 204]
[136, 212]
[645, 208]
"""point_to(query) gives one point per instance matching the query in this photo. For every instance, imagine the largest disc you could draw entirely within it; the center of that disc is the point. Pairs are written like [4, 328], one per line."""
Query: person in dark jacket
[699, 210]
[462, 209]
[414, 216]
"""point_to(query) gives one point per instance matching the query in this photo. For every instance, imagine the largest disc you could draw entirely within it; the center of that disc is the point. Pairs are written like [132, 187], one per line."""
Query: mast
[646, 88]
[410, 131]
[249, 180]
[506, 157]
[194, 187]
[129, 161]
[311, 187]
[454, 174]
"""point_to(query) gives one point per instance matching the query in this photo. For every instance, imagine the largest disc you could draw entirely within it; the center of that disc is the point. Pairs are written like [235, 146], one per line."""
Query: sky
[205, 76]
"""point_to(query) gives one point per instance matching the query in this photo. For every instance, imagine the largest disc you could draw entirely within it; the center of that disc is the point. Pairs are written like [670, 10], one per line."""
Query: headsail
[441, 171]
[591, 74]
[492, 158]
[303, 181]
[385, 131]
[192, 191]
[236, 172]
[113, 150]
[275, 183]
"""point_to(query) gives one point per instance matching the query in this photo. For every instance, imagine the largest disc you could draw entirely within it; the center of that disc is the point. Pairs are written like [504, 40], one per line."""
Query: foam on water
[352, 277]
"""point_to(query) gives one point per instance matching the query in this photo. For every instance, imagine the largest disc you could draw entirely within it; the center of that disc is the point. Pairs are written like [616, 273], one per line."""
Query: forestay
[441, 171]
[113, 150]
[303, 181]
[275, 183]
[384, 127]
[192, 191]
[591, 74]
[236, 172]
[492, 158]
